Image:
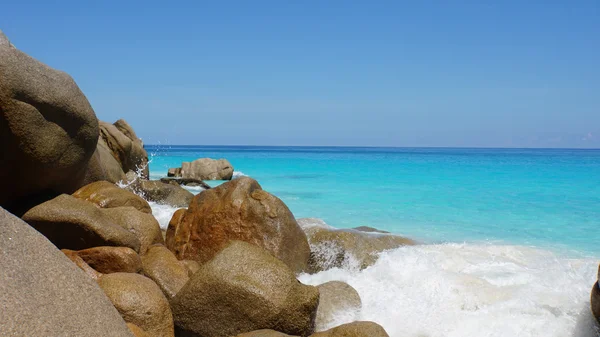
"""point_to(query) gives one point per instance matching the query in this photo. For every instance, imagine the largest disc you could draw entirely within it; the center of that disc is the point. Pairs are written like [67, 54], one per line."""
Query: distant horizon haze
[507, 74]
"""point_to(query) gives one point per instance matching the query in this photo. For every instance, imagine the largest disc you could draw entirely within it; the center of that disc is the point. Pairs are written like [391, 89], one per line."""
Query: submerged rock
[337, 299]
[186, 182]
[204, 169]
[243, 289]
[237, 210]
[44, 293]
[76, 224]
[108, 195]
[162, 193]
[139, 301]
[331, 247]
[355, 329]
[48, 130]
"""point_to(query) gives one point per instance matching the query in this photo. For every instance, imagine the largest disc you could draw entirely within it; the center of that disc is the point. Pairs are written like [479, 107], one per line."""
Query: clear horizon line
[388, 147]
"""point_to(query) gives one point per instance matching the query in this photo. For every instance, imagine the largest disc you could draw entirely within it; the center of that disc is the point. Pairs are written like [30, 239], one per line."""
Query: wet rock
[243, 289]
[186, 182]
[338, 301]
[238, 210]
[162, 193]
[595, 301]
[109, 195]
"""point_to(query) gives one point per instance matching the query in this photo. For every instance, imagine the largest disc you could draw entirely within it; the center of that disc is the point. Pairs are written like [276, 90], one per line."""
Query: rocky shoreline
[82, 254]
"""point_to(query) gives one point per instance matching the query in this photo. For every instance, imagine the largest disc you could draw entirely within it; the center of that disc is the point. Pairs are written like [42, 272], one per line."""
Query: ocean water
[510, 242]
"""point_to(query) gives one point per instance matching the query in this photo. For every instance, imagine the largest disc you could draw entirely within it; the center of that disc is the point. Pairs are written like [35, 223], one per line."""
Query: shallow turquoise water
[545, 198]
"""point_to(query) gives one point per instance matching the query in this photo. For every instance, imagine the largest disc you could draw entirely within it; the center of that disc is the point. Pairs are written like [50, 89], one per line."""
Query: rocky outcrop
[140, 302]
[143, 226]
[44, 293]
[243, 289]
[204, 169]
[108, 195]
[162, 193]
[238, 210]
[125, 147]
[338, 299]
[48, 130]
[332, 247]
[76, 224]
[355, 329]
[108, 260]
[162, 267]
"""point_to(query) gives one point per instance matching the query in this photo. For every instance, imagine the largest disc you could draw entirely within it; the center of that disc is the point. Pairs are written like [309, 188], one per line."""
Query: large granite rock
[204, 169]
[140, 302]
[331, 247]
[48, 130]
[162, 193]
[44, 293]
[108, 195]
[125, 146]
[339, 303]
[243, 289]
[162, 267]
[108, 260]
[103, 166]
[143, 226]
[238, 210]
[355, 329]
[76, 224]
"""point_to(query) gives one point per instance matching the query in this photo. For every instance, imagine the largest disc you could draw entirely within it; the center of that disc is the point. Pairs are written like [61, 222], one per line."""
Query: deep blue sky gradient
[390, 73]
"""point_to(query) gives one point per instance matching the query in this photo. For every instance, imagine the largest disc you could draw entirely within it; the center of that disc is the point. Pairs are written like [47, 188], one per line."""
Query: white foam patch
[162, 213]
[194, 189]
[237, 174]
[462, 290]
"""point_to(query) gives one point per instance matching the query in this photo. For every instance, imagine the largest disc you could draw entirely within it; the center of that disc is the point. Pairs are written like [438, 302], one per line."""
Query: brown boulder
[595, 301]
[44, 293]
[127, 150]
[109, 195]
[264, 333]
[137, 331]
[238, 210]
[205, 169]
[79, 262]
[338, 301]
[160, 265]
[172, 227]
[139, 301]
[331, 247]
[144, 226]
[76, 224]
[103, 166]
[112, 259]
[355, 329]
[162, 193]
[243, 289]
[48, 130]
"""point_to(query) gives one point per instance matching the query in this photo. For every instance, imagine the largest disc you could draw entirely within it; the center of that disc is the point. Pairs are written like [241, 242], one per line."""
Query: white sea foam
[162, 213]
[462, 290]
[237, 174]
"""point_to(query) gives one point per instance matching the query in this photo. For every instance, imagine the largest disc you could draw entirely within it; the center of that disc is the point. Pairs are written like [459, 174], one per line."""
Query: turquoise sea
[510, 242]
[540, 197]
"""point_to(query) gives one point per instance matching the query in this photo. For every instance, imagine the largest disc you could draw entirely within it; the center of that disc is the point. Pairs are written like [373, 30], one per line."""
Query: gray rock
[48, 129]
[44, 293]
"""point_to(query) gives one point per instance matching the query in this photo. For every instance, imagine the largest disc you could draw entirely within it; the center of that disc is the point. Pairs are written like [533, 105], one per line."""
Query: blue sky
[374, 73]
